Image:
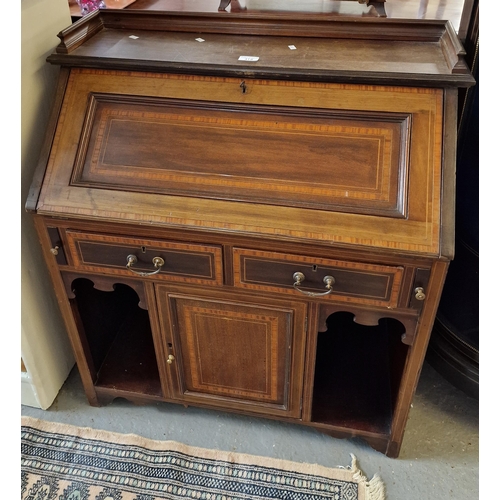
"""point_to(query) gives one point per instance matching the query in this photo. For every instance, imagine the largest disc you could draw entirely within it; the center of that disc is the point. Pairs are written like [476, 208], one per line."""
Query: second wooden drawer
[356, 282]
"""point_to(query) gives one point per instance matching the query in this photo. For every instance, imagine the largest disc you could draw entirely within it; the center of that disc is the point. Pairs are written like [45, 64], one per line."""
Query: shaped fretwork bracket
[369, 317]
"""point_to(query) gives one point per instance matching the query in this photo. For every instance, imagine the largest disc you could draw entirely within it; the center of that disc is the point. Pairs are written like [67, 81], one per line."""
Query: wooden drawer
[183, 262]
[353, 282]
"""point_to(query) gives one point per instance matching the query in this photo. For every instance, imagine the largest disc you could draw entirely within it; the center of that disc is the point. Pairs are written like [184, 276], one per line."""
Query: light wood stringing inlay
[265, 333]
[213, 255]
[391, 294]
[418, 233]
[357, 163]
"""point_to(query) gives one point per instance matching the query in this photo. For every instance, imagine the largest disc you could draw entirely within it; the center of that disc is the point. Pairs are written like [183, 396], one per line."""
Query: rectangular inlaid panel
[252, 339]
[230, 352]
[326, 159]
[356, 282]
[183, 262]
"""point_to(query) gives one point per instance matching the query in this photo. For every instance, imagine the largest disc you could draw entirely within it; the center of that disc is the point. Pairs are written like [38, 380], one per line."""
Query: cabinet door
[234, 351]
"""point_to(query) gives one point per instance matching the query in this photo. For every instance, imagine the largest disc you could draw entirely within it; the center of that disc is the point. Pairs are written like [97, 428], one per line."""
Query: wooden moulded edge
[79, 32]
[305, 25]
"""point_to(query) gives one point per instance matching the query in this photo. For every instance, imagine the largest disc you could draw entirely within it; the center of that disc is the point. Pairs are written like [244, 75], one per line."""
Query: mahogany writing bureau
[253, 213]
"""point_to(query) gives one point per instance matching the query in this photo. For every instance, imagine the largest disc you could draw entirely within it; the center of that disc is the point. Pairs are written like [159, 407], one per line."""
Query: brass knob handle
[299, 277]
[158, 262]
[419, 293]
[55, 250]
[170, 359]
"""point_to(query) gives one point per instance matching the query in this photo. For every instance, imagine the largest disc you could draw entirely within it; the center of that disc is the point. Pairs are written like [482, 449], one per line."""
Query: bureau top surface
[306, 47]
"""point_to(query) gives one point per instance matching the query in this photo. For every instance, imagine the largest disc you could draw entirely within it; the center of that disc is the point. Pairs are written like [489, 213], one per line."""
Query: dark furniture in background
[454, 346]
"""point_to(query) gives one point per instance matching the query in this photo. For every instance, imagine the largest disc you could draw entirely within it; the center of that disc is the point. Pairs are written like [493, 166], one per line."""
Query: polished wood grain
[449, 173]
[416, 357]
[239, 174]
[108, 254]
[354, 282]
[70, 315]
[331, 49]
[229, 240]
[357, 161]
[39, 173]
[419, 231]
[372, 317]
[104, 284]
[239, 352]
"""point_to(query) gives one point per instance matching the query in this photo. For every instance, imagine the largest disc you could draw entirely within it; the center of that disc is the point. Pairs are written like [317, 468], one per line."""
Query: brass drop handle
[170, 359]
[419, 293]
[55, 250]
[299, 277]
[158, 262]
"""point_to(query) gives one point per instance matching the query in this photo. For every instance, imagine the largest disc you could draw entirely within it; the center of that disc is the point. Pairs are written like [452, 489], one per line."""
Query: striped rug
[63, 462]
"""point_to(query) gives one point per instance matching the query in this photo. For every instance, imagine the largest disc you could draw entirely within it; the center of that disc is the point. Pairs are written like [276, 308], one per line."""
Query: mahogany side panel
[450, 127]
[39, 174]
[416, 356]
[80, 350]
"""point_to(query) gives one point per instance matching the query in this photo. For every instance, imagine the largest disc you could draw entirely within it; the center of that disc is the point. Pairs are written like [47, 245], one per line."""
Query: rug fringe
[374, 488]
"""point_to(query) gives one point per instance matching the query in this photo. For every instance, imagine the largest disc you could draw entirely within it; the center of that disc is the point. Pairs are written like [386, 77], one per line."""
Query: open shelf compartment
[358, 372]
[119, 337]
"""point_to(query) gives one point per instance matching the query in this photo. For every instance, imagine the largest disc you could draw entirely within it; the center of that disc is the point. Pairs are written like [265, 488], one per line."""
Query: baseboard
[28, 392]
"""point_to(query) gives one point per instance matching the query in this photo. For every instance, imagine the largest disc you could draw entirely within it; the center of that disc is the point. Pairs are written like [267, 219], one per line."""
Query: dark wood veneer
[38, 176]
[358, 160]
[393, 35]
[263, 24]
[241, 353]
[354, 282]
[168, 147]
[109, 254]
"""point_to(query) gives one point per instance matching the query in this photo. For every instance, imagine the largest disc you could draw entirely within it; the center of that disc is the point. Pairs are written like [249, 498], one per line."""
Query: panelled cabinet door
[244, 353]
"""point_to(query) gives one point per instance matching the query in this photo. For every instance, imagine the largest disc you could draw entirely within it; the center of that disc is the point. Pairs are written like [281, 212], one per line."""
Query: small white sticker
[199, 39]
[248, 58]
[133, 37]
[292, 47]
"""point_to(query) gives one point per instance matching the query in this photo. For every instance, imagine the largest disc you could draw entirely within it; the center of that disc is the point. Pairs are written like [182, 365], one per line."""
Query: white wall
[45, 348]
